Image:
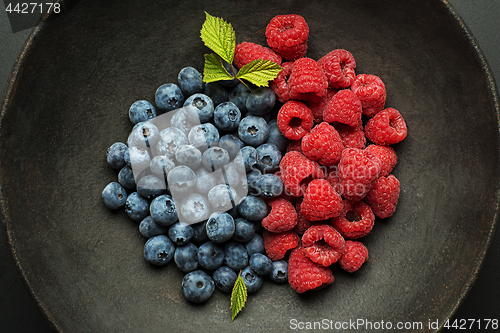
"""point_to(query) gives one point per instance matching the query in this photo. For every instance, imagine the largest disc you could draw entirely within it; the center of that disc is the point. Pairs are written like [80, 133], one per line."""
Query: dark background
[18, 311]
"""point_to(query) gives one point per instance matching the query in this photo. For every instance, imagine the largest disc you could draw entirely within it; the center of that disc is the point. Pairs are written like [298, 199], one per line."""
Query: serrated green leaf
[238, 296]
[214, 70]
[259, 72]
[219, 36]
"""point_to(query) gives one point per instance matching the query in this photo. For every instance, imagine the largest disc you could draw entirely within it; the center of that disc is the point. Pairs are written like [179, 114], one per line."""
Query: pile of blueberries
[195, 173]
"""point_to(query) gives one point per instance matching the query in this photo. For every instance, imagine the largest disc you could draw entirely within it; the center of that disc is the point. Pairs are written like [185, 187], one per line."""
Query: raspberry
[321, 202]
[338, 66]
[283, 216]
[323, 145]
[323, 244]
[277, 244]
[246, 52]
[355, 221]
[355, 255]
[304, 274]
[386, 128]
[318, 107]
[384, 196]
[387, 156]
[332, 176]
[352, 137]
[358, 171]
[295, 145]
[307, 80]
[296, 171]
[344, 108]
[371, 92]
[295, 119]
[287, 35]
[302, 222]
[280, 84]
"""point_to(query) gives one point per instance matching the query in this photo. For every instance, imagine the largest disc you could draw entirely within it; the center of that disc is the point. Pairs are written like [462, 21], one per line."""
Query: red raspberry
[371, 92]
[283, 216]
[318, 107]
[355, 221]
[344, 108]
[355, 255]
[386, 128]
[307, 81]
[304, 274]
[321, 202]
[246, 52]
[323, 145]
[384, 196]
[302, 222]
[387, 156]
[297, 171]
[352, 137]
[280, 84]
[295, 145]
[295, 119]
[277, 244]
[358, 171]
[323, 244]
[332, 176]
[287, 35]
[338, 66]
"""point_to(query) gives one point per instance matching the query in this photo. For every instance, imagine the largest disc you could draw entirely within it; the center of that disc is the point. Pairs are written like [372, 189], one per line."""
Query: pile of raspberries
[337, 168]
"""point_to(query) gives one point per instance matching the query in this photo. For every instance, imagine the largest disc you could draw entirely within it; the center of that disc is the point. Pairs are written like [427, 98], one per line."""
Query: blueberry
[200, 232]
[231, 70]
[190, 80]
[252, 178]
[279, 271]
[232, 144]
[159, 250]
[161, 165]
[210, 255]
[249, 156]
[204, 136]
[220, 227]
[269, 158]
[169, 97]
[188, 155]
[186, 257]
[255, 245]
[260, 101]
[126, 178]
[238, 95]
[253, 208]
[276, 137]
[180, 121]
[205, 180]
[163, 211]
[227, 116]
[224, 278]
[151, 186]
[231, 176]
[139, 158]
[222, 197]
[181, 180]
[260, 263]
[269, 185]
[244, 230]
[236, 256]
[171, 139]
[198, 108]
[253, 281]
[115, 155]
[216, 92]
[114, 195]
[149, 228]
[137, 207]
[140, 111]
[197, 286]
[180, 233]
[215, 158]
[144, 135]
[195, 208]
[253, 130]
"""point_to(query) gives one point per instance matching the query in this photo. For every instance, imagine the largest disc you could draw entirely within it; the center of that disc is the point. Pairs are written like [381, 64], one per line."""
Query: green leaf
[238, 296]
[259, 72]
[219, 36]
[214, 70]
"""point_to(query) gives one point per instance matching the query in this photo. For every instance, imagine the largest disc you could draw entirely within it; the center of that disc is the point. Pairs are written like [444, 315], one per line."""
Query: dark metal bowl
[67, 101]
